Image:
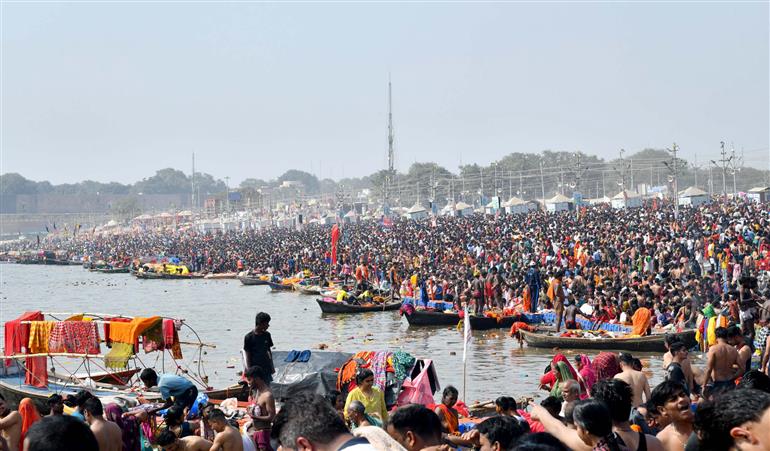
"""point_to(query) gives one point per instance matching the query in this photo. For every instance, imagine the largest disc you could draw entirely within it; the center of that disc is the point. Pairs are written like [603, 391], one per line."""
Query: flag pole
[466, 339]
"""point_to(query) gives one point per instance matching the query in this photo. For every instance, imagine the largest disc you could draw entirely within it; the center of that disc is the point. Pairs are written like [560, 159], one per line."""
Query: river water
[222, 312]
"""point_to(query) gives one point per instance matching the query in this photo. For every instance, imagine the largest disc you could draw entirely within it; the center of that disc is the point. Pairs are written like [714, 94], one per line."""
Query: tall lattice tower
[391, 174]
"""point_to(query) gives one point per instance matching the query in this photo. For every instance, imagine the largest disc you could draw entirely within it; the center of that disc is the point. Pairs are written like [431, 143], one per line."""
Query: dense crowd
[615, 260]
[643, 265]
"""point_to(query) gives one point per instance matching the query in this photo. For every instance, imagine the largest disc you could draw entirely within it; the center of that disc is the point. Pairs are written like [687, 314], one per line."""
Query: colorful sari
[587, 374]
[563, 373]
[129, 426]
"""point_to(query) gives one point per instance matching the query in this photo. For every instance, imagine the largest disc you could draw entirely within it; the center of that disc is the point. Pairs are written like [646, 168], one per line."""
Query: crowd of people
[644, 266]
[615, 260]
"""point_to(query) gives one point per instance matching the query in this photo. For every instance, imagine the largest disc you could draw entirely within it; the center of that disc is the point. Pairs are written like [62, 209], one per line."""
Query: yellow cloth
[342, 295]
[375, 405]
[78, 317]
[641, 321]
[119, 355]
[39, 334]
[710, 331]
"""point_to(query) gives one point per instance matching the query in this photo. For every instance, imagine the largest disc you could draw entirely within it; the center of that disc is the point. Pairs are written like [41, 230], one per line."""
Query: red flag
[335, 238]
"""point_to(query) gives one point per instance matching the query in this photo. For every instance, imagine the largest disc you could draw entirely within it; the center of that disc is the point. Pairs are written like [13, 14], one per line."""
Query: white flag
[466, 332]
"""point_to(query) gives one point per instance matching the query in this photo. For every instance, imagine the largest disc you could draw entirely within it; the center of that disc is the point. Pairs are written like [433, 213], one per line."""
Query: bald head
[570, 390]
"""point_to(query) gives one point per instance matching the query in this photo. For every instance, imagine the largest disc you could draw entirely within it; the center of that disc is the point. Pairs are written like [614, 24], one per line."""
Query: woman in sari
[129, 426]
[586, 374]
[563, 374]
[558, 374]
[29, 416]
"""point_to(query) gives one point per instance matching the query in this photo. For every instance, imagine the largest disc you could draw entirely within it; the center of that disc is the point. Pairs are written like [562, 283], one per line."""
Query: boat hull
[277, 286]
[246, 280]
[424, 318]
[649, 343]
[341, 307]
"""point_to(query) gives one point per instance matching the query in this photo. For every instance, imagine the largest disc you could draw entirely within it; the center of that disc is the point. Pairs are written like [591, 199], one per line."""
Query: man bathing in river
[10, 425]
[228, 438]
[722, 366]
[635, 378]
[262, 406]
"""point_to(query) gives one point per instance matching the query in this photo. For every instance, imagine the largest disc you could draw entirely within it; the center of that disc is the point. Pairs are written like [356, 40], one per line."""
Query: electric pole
[675, 173]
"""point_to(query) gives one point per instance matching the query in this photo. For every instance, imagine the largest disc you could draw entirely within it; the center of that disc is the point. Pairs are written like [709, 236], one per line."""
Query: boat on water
[113, 270]
[647, 343]
[111, 373]
[254, 279]
[333, 306]
[281, 286]
[310, 290]
[221, 275]
[434, 318]
[156, 271]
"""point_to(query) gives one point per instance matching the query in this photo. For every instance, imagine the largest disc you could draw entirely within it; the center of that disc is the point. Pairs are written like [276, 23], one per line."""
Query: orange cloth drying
[641, 321]
[129, 332]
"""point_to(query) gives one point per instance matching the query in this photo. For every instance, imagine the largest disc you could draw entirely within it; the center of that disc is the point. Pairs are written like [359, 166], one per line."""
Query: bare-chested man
[228, 438]
[686, 364]
[636, 379]
[722, 366]
[10, 425]
[735, 337]
[673, 404]
[262, 410]
[108, 434]
[168, 441]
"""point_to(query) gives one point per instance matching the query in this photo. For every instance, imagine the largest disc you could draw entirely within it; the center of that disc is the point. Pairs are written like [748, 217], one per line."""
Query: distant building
[626, 199]
[693, 196]
[463, 209]
[558, 203]
[759, 194]
[417, 212]
[514, 205]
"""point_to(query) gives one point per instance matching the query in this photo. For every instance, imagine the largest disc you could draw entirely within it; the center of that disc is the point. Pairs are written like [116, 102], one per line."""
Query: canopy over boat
[84, 348]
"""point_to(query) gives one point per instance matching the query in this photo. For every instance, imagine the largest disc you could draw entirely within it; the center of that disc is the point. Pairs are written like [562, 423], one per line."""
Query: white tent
[759, 194]
[515, 205]
[463, 209]
[558, 203]
[693, 196]
[417, 212]
[626, 199]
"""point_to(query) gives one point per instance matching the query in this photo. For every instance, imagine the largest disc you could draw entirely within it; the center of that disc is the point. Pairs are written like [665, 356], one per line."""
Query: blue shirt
[172, 385]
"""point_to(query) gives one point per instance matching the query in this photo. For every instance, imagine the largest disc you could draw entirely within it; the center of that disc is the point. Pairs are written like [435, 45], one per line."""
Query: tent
[558, 203]
[317, 375]
[693, 196]
[626, 199]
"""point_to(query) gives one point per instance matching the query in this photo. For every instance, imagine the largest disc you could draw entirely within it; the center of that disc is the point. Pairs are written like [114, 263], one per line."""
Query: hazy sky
[115, 91]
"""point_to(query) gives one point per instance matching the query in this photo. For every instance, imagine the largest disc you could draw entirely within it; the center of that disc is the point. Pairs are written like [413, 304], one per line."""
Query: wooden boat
[221, 275]
[113, 270]
[14, 390]
[649, 343]
[238, 391]
[341, 307]
[309, 290]
[429, 318]
[105, 377]
[252, 280]
[278, 286]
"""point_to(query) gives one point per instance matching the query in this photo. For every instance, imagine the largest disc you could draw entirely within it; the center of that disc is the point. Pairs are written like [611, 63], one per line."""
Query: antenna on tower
[390, 176]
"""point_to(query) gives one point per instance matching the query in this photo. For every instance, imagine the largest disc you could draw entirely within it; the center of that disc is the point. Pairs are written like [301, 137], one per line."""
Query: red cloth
[335, 239]
[80, 337]
[16, 340]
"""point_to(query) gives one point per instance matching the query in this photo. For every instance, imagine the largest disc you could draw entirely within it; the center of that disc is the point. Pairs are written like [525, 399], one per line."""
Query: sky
[113, 91]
